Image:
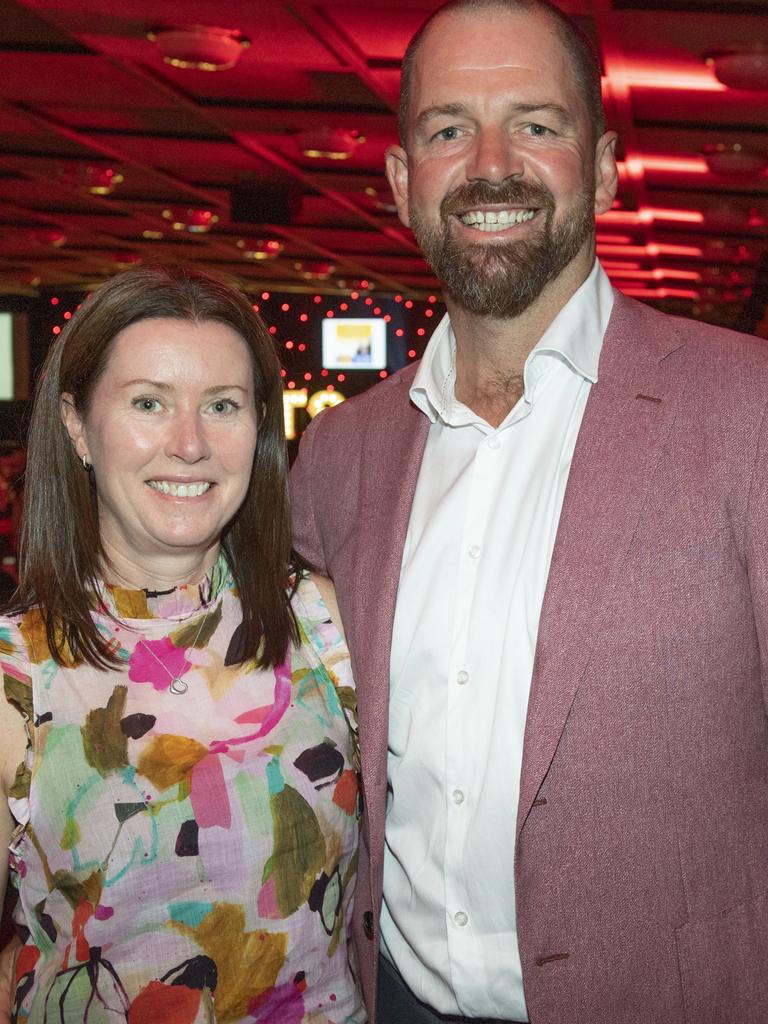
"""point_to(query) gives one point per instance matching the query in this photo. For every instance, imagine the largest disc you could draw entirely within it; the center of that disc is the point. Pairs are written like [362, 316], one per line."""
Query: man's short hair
[584, 60]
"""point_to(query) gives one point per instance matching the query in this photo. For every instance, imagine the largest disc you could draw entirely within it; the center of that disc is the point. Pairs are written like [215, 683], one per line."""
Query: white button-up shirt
[474, 570]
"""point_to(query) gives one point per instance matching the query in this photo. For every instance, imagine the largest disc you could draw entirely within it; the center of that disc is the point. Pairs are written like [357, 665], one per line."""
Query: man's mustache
[511, 192]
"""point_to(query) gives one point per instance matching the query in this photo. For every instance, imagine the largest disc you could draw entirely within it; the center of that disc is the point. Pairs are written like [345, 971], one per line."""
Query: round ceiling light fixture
[199, 47]
[733, 158]
[260, 248]
[315, 270]
[379, 199]
[741, 68]
[124, 260]
[190, 218]
[101, 181]
[91, 179]
[329, 143]
[48, 237]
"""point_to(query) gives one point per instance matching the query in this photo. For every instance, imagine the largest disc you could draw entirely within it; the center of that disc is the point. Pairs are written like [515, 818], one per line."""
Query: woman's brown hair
[61, 555]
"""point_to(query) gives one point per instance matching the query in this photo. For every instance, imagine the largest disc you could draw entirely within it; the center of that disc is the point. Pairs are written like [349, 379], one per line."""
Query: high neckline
[177, 603]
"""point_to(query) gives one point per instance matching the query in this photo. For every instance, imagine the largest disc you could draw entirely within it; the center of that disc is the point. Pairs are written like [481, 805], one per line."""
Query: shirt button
[462, 677]
[457, 796]
[461, 918]
[494, 443]
[474, 551]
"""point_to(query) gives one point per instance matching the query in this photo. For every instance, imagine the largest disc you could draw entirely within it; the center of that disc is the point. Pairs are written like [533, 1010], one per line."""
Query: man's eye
[539, 130]
[447, 134]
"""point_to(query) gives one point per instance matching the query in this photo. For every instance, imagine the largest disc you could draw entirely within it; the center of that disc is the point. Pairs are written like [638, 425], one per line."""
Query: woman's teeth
[179, 490]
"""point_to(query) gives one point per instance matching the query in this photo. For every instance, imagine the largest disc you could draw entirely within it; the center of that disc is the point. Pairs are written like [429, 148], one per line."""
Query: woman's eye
[224, 406]
[146, 404]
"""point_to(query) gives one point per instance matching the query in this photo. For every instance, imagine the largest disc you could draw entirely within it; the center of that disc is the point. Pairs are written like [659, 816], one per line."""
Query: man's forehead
[487, 40]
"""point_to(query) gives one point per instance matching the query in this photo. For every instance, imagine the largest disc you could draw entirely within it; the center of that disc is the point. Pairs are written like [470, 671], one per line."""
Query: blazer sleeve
[304, 481]
[757, 547]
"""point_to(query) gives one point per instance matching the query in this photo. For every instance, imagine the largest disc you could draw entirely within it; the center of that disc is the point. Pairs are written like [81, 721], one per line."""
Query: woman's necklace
[178, 683]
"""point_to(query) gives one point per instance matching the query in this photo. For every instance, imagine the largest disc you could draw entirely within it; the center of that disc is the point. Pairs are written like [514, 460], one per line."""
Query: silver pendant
[178, 686]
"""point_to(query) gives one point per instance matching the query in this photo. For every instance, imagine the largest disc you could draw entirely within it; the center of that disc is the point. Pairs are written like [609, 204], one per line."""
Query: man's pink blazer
[641, 864]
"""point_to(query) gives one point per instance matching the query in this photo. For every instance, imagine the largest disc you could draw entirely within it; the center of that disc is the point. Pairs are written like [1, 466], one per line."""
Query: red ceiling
[83, 88]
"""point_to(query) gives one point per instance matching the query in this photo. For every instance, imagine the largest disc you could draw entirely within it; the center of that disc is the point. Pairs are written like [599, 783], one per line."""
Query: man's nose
[495, 157]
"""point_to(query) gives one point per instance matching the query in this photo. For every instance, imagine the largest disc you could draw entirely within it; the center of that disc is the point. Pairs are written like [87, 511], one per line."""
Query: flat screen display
[6, 357]
[354, 343]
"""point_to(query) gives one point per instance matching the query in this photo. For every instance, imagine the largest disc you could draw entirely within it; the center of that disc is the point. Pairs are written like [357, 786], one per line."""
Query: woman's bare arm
[328, 594]
[13, 741]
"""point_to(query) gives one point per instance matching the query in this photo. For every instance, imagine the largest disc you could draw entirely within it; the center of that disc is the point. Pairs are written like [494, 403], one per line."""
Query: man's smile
[494, 220]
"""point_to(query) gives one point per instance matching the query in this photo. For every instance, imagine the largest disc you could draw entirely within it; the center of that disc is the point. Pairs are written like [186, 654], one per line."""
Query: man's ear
[74, 425]
[606, 172]
[397, 175]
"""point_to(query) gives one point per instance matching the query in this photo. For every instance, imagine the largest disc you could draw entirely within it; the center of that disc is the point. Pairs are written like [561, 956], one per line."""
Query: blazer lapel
[393, 446]
[628, 417]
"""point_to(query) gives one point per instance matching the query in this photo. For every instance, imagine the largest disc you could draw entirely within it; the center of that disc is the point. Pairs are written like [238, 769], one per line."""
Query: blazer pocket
[724, 965]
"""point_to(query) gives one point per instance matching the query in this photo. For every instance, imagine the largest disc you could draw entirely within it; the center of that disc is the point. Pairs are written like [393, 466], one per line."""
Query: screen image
[354, 343]
[6, 357]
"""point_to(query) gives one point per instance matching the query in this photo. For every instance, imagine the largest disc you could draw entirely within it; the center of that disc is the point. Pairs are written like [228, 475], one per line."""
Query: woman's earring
[86, 463]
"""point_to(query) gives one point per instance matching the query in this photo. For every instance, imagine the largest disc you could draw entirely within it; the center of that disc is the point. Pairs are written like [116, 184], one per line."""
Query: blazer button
[368, 924]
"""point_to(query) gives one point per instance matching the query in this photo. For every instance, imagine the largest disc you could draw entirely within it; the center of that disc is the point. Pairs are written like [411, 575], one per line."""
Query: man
[550, 544]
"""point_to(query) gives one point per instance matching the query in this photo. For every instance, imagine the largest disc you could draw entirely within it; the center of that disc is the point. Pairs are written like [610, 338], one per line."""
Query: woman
[182, 796]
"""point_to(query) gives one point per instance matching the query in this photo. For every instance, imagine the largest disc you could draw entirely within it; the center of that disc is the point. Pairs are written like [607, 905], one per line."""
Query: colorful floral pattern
[185, 858]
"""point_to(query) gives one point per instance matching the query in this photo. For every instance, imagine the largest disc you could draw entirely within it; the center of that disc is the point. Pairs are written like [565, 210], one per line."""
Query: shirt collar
[575, 337]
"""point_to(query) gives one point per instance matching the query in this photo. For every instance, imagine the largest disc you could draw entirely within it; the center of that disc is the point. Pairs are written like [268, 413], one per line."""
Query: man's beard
[502, 279]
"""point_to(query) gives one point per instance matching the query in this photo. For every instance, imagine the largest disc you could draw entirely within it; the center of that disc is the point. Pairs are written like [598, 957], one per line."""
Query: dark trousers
[396, 1004]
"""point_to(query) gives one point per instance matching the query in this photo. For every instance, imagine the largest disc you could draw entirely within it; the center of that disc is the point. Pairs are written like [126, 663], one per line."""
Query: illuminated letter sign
[293, 400]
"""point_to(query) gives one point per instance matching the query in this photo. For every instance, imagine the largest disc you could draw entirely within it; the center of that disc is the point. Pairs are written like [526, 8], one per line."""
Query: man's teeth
[492, 220]
[179, 490]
